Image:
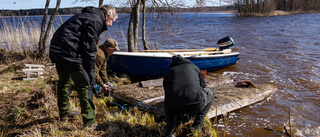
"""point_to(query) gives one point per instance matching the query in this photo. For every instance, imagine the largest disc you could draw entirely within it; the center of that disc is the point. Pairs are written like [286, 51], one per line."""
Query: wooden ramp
[227, 97]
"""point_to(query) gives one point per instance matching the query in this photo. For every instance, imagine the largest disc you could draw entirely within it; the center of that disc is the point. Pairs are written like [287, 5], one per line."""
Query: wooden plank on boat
[227, 97]
[181, 50]
[226, 51]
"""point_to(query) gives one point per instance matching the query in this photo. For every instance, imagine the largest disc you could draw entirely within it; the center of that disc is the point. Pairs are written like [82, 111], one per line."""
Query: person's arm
[202, 82]
[97, 68]
[164, 82]
[89, 37]
[201, 78]
[103, 72]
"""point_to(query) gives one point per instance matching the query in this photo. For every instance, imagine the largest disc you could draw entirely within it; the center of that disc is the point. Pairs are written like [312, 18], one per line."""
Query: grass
[19, 38]
[29, 108]
[20, 34]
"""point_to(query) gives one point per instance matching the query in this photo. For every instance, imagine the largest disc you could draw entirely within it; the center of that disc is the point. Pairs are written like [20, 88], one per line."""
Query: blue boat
[156, 64]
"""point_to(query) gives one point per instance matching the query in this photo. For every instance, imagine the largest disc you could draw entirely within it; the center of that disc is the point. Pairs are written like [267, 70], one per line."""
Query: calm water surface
[279, 50]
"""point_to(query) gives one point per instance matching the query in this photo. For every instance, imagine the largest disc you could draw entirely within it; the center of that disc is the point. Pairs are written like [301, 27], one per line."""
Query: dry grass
[20, 34]
[28, 108]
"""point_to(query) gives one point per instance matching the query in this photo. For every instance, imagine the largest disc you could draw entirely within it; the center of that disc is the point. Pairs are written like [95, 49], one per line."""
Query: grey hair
[109, 10]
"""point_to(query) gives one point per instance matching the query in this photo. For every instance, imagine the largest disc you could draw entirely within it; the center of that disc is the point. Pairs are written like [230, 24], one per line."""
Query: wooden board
[181, 50]
[151, 83]
[227, 97]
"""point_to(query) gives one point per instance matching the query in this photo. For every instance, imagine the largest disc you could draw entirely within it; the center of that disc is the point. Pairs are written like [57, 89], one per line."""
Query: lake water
[279, 50]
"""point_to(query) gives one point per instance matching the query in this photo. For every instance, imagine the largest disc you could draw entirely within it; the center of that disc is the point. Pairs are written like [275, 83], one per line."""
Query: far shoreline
[276, 13]
[273, 13]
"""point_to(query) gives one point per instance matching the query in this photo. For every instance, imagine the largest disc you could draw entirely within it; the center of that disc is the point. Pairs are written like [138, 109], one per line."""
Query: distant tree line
[251, 7]
[75, 10]
[61, 11]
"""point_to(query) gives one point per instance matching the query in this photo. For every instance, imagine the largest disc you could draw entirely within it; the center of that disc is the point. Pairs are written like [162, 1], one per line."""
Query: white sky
[32, 4]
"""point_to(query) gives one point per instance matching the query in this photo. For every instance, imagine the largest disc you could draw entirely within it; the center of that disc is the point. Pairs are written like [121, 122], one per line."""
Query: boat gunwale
[168, 55]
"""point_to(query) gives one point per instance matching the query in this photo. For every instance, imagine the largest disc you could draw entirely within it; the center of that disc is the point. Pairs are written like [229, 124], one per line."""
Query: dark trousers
[172, 119]
[68, 72]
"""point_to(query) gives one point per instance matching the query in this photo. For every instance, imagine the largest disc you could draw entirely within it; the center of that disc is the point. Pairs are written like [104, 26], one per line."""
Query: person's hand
[105, 88]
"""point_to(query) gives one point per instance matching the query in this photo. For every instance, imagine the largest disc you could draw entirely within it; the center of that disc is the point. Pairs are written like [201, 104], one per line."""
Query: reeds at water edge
[20, 33]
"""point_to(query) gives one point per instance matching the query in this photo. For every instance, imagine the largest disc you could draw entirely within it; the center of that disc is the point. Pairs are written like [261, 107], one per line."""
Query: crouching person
[185, 94]
[100, 67]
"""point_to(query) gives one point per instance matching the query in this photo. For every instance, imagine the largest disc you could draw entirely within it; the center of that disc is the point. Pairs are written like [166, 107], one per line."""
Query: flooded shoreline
[278, 50]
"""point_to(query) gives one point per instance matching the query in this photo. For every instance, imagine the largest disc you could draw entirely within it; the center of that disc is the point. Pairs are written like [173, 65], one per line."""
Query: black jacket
[183, 84]
[76, 39]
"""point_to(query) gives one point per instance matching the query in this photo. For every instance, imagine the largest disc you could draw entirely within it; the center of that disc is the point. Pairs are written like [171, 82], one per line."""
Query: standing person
[100, 67]
[73, 49]
[185, 93]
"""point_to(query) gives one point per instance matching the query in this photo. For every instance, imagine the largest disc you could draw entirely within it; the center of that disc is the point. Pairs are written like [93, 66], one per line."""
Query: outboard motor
[225, 43]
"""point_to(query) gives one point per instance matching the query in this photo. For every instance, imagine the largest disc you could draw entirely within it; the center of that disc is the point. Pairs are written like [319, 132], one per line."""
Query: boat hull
[153, 64]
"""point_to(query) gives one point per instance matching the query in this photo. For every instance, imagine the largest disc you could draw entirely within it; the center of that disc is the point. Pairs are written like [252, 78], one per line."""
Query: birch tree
[133, 28]
[44, 34]
[144, 41]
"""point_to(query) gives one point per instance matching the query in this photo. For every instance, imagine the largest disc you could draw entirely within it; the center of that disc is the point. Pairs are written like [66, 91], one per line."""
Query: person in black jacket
[185, 94]
[73, 49]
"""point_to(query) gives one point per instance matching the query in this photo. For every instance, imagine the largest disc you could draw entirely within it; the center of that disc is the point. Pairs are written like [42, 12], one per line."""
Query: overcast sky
[32, 4]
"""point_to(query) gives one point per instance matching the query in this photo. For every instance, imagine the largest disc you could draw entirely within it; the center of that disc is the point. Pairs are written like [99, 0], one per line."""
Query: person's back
[183, 85]
[73, 40]
[185, 93]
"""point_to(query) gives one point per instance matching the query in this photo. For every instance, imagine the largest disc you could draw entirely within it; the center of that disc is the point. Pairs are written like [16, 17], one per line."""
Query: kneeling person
[185, 93]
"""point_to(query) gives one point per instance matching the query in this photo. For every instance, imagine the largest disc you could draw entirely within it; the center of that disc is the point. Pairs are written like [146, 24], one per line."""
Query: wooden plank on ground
[227, 97]
[153, 99]
[151, 83]
[34, 66]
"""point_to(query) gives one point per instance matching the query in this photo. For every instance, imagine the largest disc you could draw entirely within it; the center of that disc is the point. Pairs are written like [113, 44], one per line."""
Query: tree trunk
[42, 49]
[136, 24]
[247, 6]
[43, 27]
[258, 6]
[130, 32]
[133, 29]
[253, 8]
[292, 5]
[145, 46]
[100, 3]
